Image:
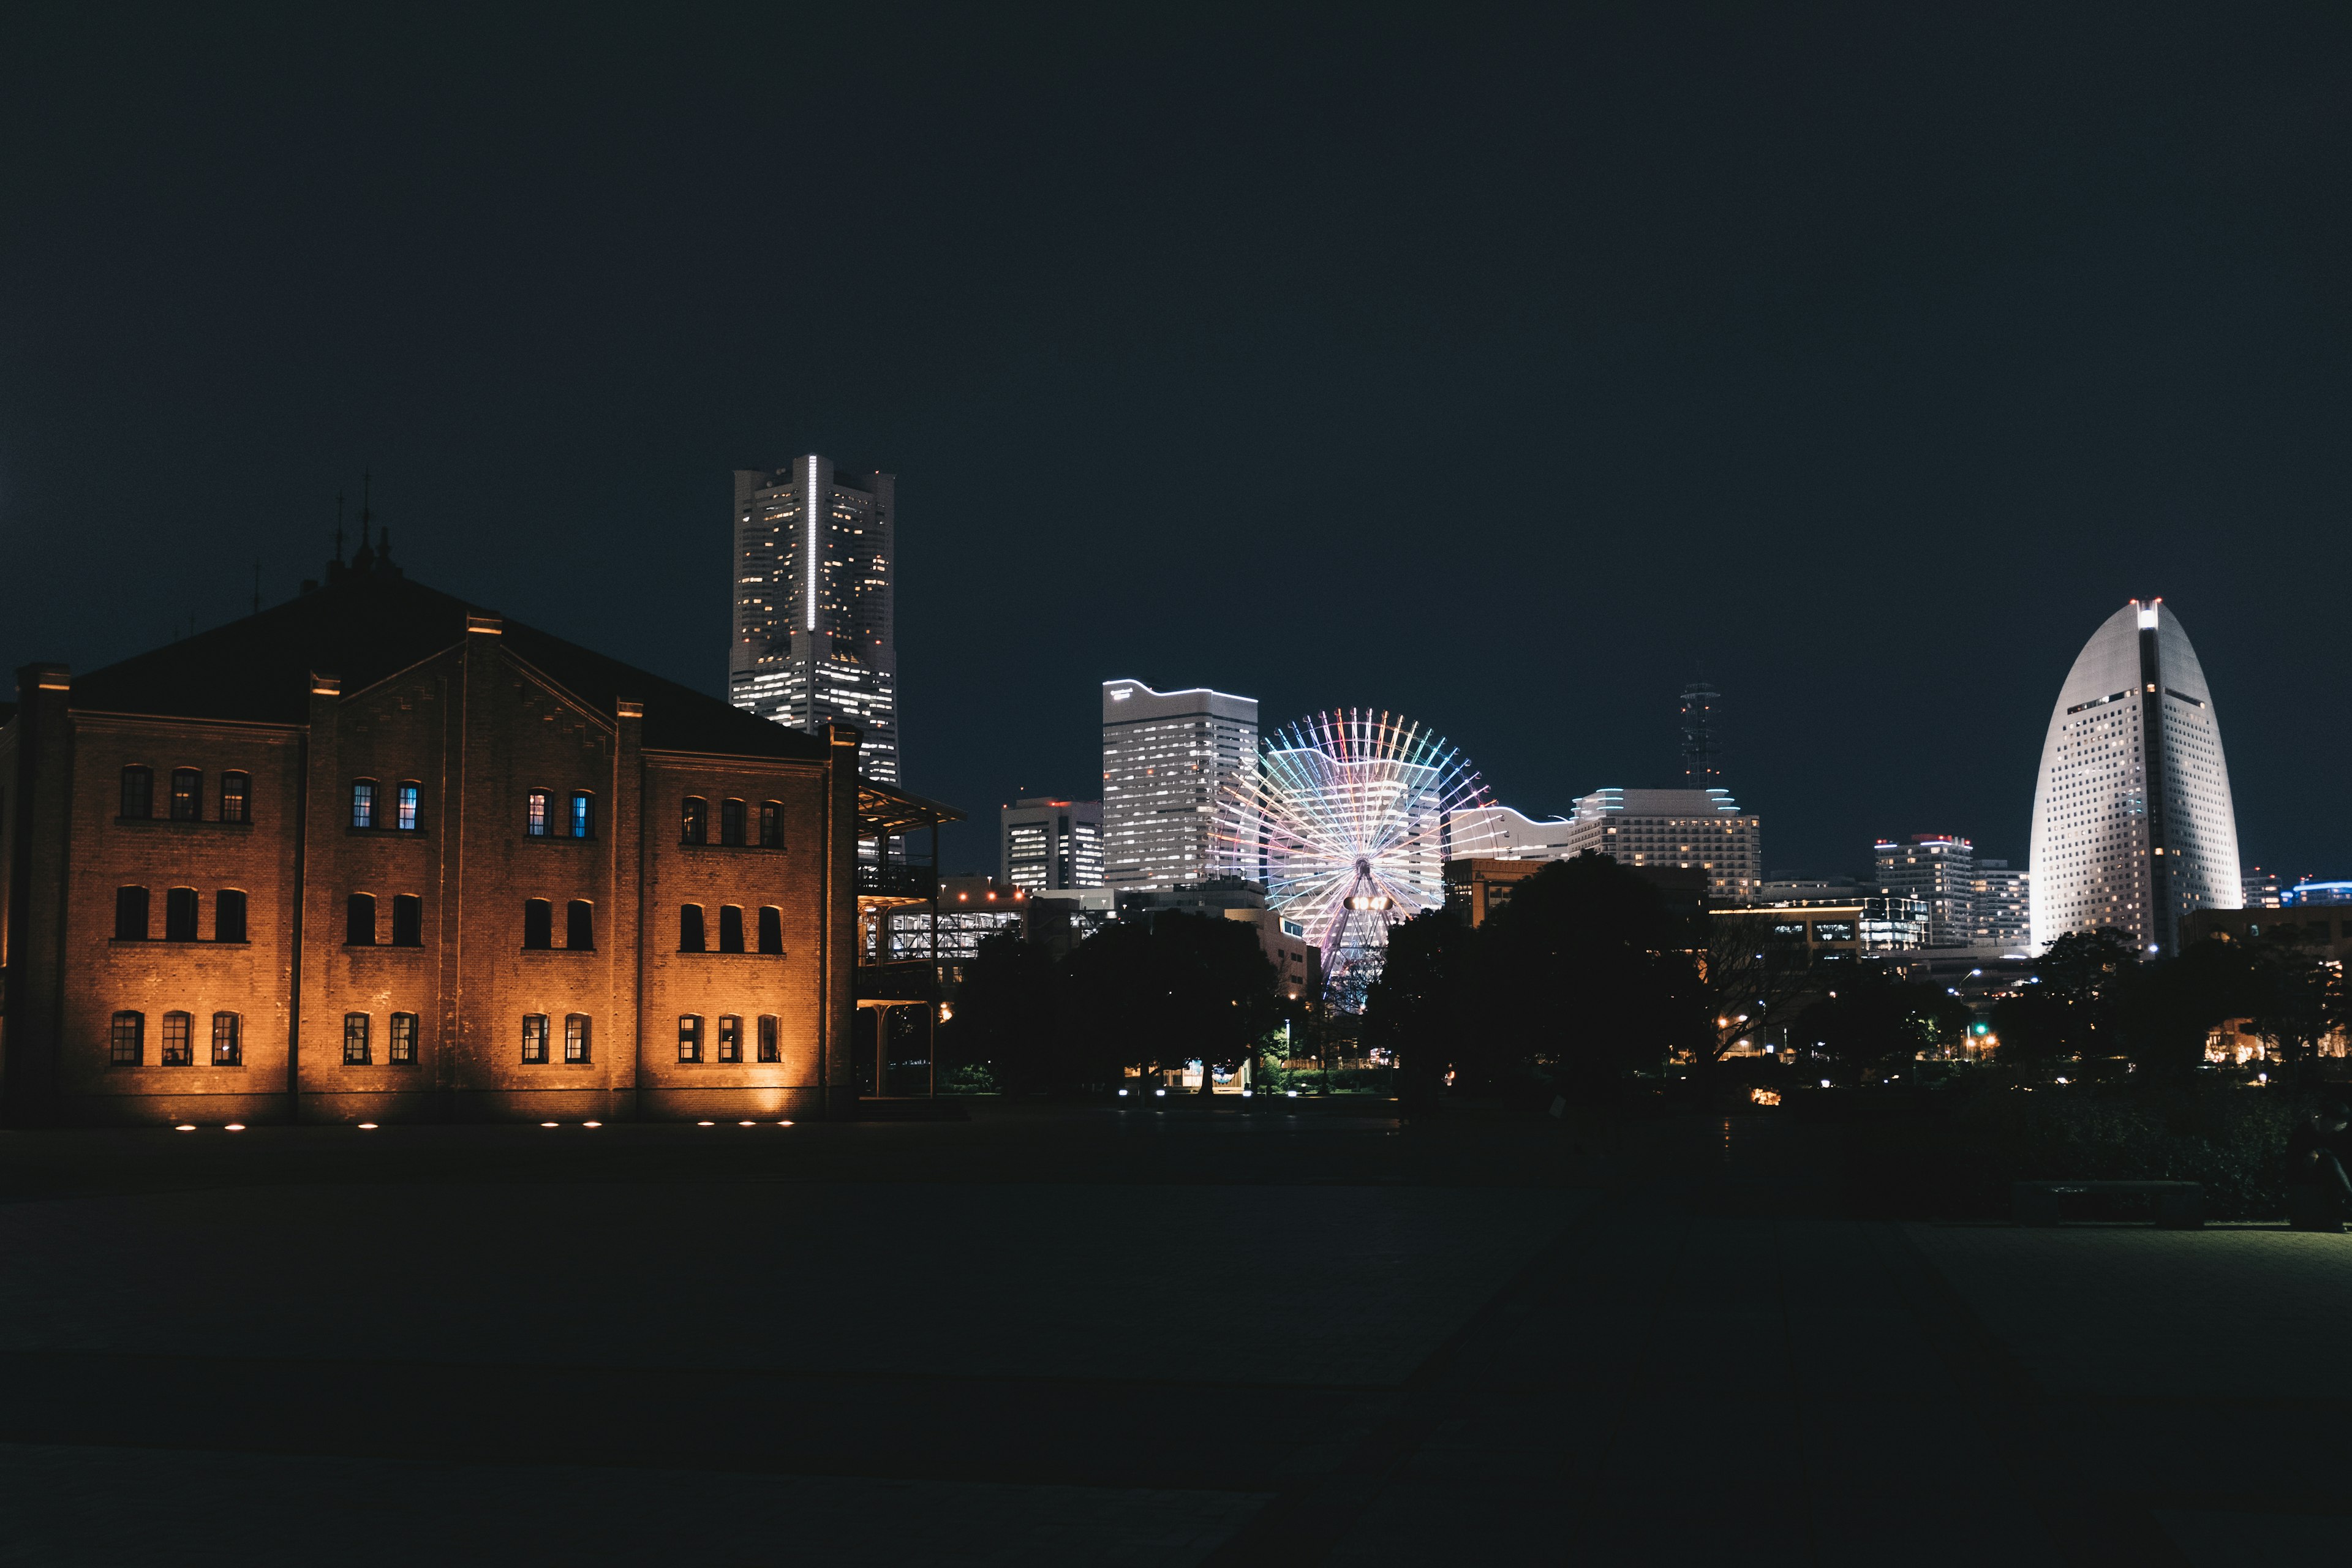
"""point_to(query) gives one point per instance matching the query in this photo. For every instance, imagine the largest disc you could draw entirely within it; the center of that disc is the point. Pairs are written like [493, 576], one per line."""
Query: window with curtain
[405, 809]
[583, 815]
[363, 804]
[534, 814]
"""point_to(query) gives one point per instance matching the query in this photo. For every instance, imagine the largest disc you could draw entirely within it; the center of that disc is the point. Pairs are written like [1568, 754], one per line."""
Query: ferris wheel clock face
[1347, 822]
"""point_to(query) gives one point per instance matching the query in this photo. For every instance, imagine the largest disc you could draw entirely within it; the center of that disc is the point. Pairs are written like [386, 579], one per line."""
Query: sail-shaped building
[2133, 825]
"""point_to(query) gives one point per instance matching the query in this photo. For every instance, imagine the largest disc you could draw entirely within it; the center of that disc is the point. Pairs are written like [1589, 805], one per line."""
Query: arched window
[690, 1039]
[689, 928]
[730, 1038]
[405, 809]
[127, 1040]
[228, 915]
[402, 1041]
[358, 920]
[236, 797]
[355, 1039]
[187, 795]
[538, 924]
[730, 928]
[137, 792]
[772, 825]
[363, 804]
[534, 1036]
[731, 823]
[131, 914]
[407, 920]
[179, 914]
[228, 1044]
[580, 924]
[583, 815]
[575, 1038]
[694, 821]
[534, 814]
[769, 1051]
[771, 929]
[179, 1040]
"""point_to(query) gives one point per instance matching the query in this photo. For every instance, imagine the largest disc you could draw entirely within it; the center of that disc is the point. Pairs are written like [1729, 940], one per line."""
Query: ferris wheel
[1347, 822]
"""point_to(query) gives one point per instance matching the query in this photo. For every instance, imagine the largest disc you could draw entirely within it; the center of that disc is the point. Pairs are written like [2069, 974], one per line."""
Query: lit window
[694, 821]
[228, 1045]
[535, 814]
[236, 797]
[363, 805]
[730, 1038]
[187, 795]
[405, 809]
[583, 815]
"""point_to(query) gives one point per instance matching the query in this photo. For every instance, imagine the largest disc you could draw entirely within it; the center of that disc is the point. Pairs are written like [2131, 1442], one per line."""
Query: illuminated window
[179, 1040]
[137, 792]
[236, 797]
[355, 1039]
[363, 804]
[583, 815]
[127, 1040]
[689, 928]
[534, 1037]
[576, 1038]
[690, 1039]
[769, 1049]
[187, 795]
[405, 809]
[771, 929]
[228, 1045]
[538, 924]
[407, 920]
[580, 924]
[534, 822]
[358, 920]
[403, 1043]
[180, 914]
[131, 914]
[730, 1038]
[772, 825]
[731, 823]
[730, 928]
[694, 821]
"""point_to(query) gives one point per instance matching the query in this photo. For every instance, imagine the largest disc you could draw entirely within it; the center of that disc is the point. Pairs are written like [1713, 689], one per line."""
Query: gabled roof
[367, 626]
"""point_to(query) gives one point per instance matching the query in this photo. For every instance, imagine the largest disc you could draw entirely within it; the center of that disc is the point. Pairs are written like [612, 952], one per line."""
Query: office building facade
[2004, 909]
[814, 640]
[2133, 823]
[1045, 844]
[1167, 757]
[1686, 829]
[1939, 870]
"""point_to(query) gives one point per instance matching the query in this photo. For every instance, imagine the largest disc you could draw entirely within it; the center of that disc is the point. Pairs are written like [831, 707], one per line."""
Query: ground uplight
[747, 1124]
[706, 1124]
[185, 1127]
[591, 1124]
[367, 1126]
[233, 1127]
[550, 1124]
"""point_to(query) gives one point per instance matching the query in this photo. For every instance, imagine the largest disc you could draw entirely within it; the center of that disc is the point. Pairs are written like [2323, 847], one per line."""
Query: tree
[1163, 991]
[1874, 1022]
[1010, 1017]
[2165, 1011]
[2298, 1000]
[1586, 975]
[1422, 1008]
[1747, 978]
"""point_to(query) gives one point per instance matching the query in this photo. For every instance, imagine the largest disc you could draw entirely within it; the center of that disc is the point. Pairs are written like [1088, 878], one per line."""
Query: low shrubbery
[1960, 1165]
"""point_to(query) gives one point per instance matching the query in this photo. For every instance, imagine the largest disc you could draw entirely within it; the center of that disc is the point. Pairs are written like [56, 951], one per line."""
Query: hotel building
[1166, 756]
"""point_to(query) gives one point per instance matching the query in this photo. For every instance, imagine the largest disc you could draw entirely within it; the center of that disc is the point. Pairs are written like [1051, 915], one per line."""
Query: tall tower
[1702, 759]
[815, 629]
[1166, 756]
[2133, 824]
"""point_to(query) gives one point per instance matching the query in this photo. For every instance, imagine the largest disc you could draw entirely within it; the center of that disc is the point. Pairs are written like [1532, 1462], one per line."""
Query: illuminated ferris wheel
[1347, 822]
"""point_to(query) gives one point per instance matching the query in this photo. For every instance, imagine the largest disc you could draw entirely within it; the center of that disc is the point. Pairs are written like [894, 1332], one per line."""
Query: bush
[2230, 1140]
[972, 1078]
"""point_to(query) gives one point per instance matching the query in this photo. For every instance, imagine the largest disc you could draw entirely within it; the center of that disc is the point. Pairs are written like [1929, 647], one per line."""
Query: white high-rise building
[816, 638]
[1166, 757]
[2133, 824]
[2004, 904]
[1051, 846]
[1939, 870]
[1691, 829]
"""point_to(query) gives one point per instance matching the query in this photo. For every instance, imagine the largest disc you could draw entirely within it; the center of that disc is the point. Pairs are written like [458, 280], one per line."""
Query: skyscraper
[1051, 845]
[2133, 824]
[814, 635]
[1939, 870]
[1702, 754]
[1166, 757]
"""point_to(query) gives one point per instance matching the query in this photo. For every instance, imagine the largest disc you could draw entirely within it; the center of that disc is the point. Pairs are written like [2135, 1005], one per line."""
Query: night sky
[1498, 371]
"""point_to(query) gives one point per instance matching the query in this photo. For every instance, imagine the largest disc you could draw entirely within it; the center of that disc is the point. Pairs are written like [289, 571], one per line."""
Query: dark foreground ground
[1084, 1336]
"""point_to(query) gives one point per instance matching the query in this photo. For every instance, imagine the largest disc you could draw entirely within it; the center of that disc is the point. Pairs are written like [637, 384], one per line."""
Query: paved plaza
[1161, 1337]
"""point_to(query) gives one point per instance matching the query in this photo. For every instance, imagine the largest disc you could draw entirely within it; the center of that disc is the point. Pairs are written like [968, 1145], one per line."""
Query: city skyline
[1757, 444]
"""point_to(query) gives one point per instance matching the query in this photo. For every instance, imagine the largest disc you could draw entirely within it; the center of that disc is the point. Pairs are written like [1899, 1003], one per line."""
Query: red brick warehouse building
[376, 855]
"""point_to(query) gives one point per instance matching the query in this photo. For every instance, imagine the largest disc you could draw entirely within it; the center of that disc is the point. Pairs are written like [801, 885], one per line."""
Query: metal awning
[884, 812]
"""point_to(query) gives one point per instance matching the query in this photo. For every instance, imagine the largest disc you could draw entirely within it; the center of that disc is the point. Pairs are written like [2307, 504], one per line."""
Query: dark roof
[368, 626]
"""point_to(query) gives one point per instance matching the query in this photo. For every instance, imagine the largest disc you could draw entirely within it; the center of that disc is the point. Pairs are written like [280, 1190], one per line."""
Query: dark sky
[1493, 369]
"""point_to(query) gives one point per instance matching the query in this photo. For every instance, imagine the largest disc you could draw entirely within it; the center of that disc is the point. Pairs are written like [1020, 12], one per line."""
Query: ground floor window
[127, 1042]
[179, 1040]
